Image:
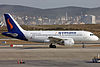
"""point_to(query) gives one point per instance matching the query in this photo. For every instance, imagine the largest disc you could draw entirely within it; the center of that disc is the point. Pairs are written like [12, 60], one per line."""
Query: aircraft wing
[62, 41]
[55, 39]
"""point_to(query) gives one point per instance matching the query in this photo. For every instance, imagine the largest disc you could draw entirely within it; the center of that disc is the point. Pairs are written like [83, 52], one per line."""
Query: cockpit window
[91, 34]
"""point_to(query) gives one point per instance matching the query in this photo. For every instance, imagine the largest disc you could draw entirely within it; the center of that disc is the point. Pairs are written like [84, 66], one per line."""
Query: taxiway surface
[48, 57]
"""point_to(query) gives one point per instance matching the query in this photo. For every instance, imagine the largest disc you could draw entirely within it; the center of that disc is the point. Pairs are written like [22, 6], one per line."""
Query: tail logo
[11, 26]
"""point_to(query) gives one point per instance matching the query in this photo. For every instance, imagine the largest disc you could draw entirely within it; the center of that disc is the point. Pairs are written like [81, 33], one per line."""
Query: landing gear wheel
[52, 46]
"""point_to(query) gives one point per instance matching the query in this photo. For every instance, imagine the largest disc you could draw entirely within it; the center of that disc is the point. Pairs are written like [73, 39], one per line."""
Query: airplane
[66, 38]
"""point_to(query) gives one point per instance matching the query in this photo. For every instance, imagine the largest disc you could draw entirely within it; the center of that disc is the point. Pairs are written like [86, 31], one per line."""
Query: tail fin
[14, 30]
[12, 25]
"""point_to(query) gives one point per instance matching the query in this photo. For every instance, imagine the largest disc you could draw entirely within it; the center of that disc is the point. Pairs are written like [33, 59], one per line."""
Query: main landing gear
[52, 46]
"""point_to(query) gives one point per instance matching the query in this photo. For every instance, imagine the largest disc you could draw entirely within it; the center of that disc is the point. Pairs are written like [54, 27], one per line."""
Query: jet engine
[67, 42]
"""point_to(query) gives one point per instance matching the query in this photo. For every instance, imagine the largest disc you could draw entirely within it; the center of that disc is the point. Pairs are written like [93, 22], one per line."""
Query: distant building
[93, 19]
[89, 19]
[66, 16]
[1, 24]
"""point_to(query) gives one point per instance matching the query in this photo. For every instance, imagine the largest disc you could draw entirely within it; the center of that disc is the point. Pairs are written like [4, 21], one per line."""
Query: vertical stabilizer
[13, 27]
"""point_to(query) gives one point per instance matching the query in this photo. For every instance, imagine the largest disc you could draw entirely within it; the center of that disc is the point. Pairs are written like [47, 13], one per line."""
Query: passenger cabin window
[91, 34]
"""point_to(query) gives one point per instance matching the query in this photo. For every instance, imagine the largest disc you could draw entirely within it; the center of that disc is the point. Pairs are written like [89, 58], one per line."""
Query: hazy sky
[53, 3]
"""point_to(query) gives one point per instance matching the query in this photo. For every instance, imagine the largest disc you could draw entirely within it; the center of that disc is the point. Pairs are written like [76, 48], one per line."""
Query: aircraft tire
[52, 46]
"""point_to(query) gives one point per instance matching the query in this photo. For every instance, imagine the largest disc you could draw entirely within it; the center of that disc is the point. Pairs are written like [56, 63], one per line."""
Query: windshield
[91, 34]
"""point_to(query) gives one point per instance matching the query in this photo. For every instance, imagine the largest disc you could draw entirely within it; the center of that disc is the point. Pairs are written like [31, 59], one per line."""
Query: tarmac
[49, 57]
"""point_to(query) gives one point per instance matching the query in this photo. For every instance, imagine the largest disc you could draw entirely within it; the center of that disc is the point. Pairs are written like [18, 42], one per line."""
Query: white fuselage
[42, 36]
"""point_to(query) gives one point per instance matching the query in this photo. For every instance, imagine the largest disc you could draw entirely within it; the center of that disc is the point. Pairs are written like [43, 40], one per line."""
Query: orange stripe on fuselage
[11, 26]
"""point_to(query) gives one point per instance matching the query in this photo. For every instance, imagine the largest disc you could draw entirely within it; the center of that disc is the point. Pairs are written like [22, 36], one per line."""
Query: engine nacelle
[67, 42]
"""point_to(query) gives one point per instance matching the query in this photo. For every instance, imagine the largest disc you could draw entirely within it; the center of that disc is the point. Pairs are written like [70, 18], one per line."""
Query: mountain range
[51, 13]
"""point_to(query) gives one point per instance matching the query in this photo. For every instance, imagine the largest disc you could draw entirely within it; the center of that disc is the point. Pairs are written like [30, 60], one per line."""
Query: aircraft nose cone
[96, 38]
